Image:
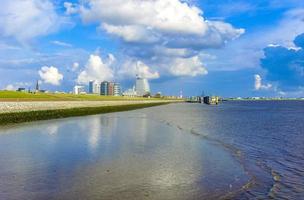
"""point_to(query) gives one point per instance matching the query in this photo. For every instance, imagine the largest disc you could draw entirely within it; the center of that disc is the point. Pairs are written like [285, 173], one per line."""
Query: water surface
[237, 150]
[130, 155]
[267, 137]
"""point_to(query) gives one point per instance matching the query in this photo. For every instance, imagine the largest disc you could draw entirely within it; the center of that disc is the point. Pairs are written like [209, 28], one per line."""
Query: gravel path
[9, 107]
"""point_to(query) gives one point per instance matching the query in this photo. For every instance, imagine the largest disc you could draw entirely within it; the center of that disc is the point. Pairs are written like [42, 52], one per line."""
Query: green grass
[11, 118]
[24, 96]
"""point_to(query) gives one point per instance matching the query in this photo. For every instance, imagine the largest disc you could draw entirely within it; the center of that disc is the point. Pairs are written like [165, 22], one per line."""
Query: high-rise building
[91, 85]
[116, 89]
[111, 88]
[78, 89]
[94, 87]
[104, 88]
[142, 86]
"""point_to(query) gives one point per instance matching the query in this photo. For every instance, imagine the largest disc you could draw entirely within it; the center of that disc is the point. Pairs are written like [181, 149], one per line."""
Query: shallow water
[237, 150]
[130, 155]
[267, 137]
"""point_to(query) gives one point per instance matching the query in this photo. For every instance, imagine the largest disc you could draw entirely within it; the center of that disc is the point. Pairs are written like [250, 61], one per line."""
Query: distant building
[211, 100]
[21, 90]
[104, 88]
[158, 95]
[37, 86]
[94, 87]
[59, 92]
[116, 89]
[142, 86]
[110, 89]
[130, 92]
[78, 89]
[91, 85]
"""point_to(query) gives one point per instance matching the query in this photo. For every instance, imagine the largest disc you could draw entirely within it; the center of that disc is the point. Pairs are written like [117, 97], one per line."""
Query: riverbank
[18, 112]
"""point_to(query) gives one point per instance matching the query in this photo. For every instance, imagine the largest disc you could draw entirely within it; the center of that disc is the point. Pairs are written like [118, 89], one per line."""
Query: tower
[37, 86]
[142, 86]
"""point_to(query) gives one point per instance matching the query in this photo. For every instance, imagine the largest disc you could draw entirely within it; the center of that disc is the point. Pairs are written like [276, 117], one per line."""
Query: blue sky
[224, 47]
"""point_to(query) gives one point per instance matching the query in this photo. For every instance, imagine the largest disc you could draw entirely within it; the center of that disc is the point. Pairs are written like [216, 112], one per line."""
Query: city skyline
[227, 48]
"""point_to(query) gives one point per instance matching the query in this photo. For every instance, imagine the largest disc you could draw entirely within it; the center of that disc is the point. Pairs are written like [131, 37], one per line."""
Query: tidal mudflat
[130, 155]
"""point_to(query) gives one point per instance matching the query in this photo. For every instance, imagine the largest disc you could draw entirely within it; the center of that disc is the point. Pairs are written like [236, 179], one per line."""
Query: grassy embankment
[11, 118]
[24, 96]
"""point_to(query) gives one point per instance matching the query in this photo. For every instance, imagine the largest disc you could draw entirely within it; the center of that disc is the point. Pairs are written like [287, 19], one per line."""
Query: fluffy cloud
[258, 85]
[161, 21]
[165, 33]
[170, 16]
[188, 67]
[97, 69]
[50, 75]
[285, 65]
[132, 68]
[132, 33]
[26, 19]
[71, 8]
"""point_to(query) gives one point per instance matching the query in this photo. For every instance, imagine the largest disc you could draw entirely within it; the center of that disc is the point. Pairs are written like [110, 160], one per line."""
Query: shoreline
[9, 118]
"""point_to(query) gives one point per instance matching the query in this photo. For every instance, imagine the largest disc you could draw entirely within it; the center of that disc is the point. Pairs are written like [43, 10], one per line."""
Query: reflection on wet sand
[113, 156]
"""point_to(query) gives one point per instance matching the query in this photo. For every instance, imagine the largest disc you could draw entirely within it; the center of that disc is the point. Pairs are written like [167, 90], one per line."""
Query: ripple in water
[266, 136]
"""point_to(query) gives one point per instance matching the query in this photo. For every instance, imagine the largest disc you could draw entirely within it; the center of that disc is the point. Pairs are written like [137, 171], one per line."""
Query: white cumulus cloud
[71, 8]
[170, 16]
[26, 19]
[132, 33]
[163, 33]
[50, 75]
[258, 84]
[132, 68]
[97, 69]
[157, 21]
[188, 67]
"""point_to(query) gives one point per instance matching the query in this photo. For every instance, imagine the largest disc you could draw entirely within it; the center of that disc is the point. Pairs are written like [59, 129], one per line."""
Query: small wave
[237, 153]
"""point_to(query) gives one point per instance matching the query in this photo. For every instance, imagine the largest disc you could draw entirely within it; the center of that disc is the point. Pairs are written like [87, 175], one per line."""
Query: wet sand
[128, 155]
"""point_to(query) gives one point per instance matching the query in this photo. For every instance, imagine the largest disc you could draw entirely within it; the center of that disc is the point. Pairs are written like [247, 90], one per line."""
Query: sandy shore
[13, 107]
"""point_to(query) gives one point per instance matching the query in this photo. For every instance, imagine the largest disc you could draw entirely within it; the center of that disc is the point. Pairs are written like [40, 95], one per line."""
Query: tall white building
[94, 87]
[142, 86]
[78, 89]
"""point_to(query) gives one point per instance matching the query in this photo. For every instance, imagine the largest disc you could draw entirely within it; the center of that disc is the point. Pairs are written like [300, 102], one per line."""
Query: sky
[230, 48]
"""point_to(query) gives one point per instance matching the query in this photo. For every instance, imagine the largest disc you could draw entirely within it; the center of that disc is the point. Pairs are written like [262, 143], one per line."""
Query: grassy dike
[12, 118]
